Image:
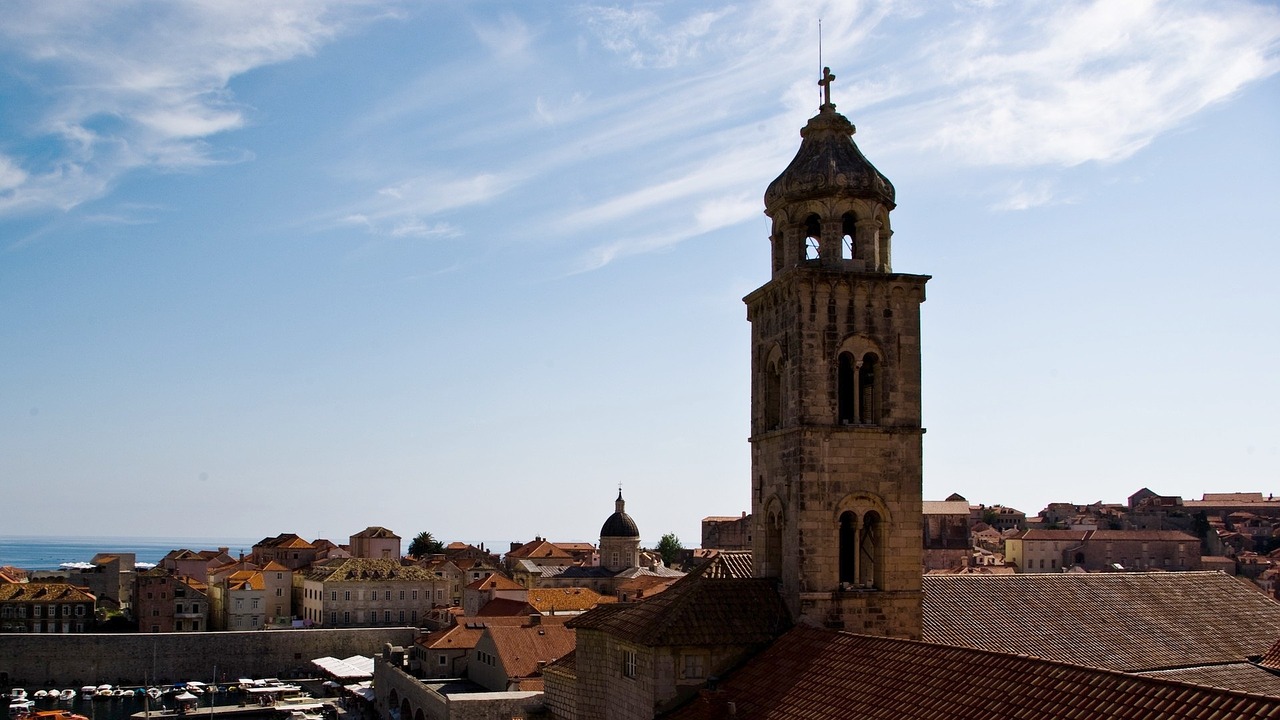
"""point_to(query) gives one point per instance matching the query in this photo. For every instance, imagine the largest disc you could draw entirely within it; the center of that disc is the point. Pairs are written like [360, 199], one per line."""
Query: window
[444, 660]
[848, 231]
[413, 615]
[812, 237]
[628, 663]
[333, 594]
[255, 603]
[439, 594]
[346, 594]
[35, 611]
[693, 666]
[346, 618]
[415, 594]
[386, 616]
[401, 616]
[387, 596]
[155, 628]
[279, 576]
[66, 611]
[178, 609]
[401, 594]
[195, 607]
[279, 592]
[333, 618]
[860, 550]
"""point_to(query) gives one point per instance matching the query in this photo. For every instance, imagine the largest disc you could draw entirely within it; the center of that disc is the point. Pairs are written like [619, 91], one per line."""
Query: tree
[423, 544]
[669, 548]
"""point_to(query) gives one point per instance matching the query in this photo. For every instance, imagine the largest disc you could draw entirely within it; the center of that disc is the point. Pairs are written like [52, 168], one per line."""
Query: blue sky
[465, 267]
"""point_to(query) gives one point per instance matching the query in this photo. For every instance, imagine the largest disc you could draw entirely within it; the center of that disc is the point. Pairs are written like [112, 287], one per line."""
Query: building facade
[835, 419]
[45, 608]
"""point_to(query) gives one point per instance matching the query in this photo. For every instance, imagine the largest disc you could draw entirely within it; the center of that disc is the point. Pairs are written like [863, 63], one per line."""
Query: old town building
[41, 607]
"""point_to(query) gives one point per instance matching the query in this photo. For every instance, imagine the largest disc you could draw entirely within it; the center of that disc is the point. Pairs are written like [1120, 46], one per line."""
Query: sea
[30, 552]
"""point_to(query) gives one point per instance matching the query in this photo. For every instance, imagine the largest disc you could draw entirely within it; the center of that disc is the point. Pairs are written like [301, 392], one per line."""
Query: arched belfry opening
[868, 390]
[861, 543]
[858, 388]
[848, 233]
[812, 237]
[772, 566]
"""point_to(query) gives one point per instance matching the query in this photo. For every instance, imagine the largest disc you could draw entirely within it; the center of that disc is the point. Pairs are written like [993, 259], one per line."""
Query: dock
[226, 711]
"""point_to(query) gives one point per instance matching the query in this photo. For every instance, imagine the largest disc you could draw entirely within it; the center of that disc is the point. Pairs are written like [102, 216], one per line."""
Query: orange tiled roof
[495, 581]
[539, 549]
[245, 580]
[818, 674]
[1241, 676]
[695, 611]
[375, 531]
[505, 607]
[44, 592]
[274, 566]
[521, 649]
[1122, 621]
[547, 600]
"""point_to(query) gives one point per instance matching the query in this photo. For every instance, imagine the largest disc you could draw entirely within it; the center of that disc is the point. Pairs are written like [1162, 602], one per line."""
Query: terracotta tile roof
[548, 600]
[285, 540]
[1122, 621]
[458, 637]
[1271, 659]
[495, 582]
[375, 531]
[245, 580]
[366, 569]
[695, 611]
[728, 564]
[1067, 535]
[521, 649]
[506, 608]
[1242, 676]
[44, 592]
[813, 674]
[575, 546]
[1145, 536]
[539, 549]
[645, 586]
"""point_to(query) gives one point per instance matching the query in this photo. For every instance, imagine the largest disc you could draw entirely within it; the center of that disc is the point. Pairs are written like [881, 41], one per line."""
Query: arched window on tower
[847, 392]
[848, 548]
[869, 551]
[848, 231]
[773, 394]
[812, 237]
[773, 545]
[869, 390]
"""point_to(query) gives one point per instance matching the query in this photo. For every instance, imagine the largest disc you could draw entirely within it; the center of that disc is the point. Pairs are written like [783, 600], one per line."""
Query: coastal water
[48, 553]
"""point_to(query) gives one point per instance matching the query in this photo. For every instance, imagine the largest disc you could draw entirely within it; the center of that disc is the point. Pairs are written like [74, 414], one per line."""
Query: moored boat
[21, 707]
[17, 695]
[67, 695]
[57, 715]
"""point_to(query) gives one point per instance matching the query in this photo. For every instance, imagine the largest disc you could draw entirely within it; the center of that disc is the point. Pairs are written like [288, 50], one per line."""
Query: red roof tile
[811, 674]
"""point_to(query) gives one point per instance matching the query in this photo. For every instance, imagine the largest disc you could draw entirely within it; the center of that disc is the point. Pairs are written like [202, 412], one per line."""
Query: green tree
[669, 548]
[423, 544]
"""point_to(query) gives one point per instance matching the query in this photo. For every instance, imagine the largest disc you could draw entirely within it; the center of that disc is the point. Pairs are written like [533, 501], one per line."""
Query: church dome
[828, 164]
[619, 524]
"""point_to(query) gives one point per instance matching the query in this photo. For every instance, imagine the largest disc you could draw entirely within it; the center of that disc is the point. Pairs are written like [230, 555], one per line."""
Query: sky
[468, 268]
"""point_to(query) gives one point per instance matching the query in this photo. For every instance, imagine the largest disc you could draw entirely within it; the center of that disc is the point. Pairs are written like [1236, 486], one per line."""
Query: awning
[354, 667]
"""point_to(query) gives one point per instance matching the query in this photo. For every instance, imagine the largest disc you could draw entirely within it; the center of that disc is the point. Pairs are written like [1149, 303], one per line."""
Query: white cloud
[11, 176]
[158, 71]
[1090, 82]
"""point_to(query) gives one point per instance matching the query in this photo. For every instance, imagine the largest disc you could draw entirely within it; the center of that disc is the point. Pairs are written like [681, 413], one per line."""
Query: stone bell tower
[835, 394]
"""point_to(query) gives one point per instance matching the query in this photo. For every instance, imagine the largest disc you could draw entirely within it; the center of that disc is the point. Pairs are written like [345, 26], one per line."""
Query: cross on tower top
[825, 82]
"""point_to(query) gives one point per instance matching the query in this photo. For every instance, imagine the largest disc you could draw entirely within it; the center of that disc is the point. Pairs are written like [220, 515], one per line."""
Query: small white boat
[21, 707]
[153, 693]
[88, 691]
[17, 695]
[104, 692]
[41, 694]
[67, 695]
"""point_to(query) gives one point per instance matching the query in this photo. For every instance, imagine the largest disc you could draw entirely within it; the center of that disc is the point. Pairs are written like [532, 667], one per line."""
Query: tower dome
[828, 165]
[619, 524]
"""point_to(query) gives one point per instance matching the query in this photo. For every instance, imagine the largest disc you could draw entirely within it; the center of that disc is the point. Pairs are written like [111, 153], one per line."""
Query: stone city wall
[73, 660]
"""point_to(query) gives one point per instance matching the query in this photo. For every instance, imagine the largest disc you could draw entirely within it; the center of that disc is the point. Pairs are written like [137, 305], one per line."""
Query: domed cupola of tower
[830, 207]
[619, 539]
[619, 524]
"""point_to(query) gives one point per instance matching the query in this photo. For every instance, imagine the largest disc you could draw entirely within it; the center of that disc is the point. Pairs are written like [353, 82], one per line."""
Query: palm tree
[424, 544]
